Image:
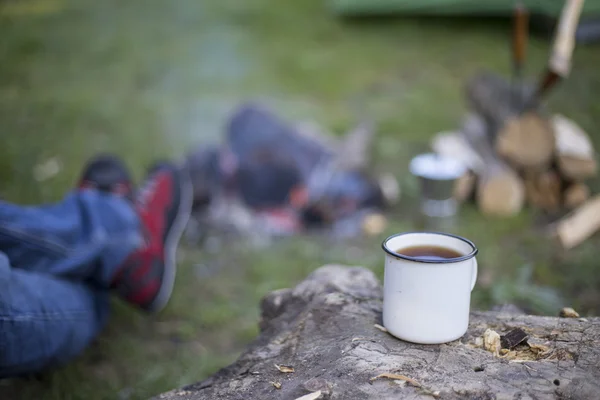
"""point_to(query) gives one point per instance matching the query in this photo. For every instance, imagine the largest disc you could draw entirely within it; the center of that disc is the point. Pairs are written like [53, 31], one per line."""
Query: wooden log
[526, 140]
[324, 329]
[500, 191]
[579, 225]
[543, 190]
[575, 153]
[575, 195]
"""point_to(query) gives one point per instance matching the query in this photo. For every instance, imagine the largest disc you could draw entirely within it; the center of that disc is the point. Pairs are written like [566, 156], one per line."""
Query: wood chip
[310, 396]
[435, 394]
[398, 377]
[286, 369]
[520, 361]
[568, 312]
[277, 385]
[381, 328]
[539, 349]
[491, 341]
[513, 338]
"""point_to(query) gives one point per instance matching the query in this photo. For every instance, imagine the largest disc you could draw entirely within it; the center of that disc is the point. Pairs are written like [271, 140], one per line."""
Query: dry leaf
[396, 377]
[539, 349]
[568, 312]
[310, 396]
[491, 341]
[285, 368]
[276, 384]
[381, 328]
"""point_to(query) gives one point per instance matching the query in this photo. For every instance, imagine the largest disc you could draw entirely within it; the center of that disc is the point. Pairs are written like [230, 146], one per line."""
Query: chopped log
[324, 329]
[543, 190]
[575, 195]
[579, 225]
[575, 153]
[500, 191]
[526, 140]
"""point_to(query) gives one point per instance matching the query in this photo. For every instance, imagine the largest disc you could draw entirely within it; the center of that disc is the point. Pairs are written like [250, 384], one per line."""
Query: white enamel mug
[428, 301]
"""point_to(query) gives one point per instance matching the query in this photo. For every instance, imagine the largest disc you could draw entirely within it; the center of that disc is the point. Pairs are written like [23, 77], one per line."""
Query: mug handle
[474, 273]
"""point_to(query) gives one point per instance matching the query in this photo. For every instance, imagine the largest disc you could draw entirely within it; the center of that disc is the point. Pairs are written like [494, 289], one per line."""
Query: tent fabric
[551, 8]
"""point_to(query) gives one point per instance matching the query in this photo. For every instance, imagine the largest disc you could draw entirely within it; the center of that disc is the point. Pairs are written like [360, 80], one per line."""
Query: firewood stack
[519, 154]
[516, 159]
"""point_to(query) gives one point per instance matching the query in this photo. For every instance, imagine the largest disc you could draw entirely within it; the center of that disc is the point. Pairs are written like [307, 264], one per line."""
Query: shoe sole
[172, 242]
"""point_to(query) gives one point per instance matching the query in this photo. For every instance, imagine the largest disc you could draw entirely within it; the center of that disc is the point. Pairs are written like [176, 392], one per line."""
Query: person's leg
[53, 304]
[45, 320]
[99, 236]
[86, 236]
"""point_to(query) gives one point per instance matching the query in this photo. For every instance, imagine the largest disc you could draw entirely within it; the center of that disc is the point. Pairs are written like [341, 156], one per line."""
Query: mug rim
[394, 254]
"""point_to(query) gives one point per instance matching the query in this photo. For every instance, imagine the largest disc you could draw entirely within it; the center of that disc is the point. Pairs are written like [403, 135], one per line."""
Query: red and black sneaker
[107, 173]
[163, 204]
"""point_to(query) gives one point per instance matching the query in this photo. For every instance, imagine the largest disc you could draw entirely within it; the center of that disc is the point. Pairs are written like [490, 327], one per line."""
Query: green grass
[148, 79]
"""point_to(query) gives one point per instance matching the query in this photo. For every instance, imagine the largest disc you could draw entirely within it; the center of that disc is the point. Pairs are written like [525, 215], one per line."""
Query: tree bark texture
[324, 331]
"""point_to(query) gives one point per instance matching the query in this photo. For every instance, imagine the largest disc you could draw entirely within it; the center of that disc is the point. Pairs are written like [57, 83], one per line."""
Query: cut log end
[577, 168]
[543, 190]
[502, 194]
[575, 153]
[527, 141]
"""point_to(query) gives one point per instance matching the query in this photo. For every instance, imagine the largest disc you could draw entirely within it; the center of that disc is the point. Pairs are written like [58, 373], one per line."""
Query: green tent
[550, 8]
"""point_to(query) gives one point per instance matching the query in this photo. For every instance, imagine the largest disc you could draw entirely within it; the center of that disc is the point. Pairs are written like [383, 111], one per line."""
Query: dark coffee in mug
[429, 253]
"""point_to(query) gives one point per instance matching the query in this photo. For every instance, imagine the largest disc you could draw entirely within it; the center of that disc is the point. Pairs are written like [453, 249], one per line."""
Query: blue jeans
[56, 266]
